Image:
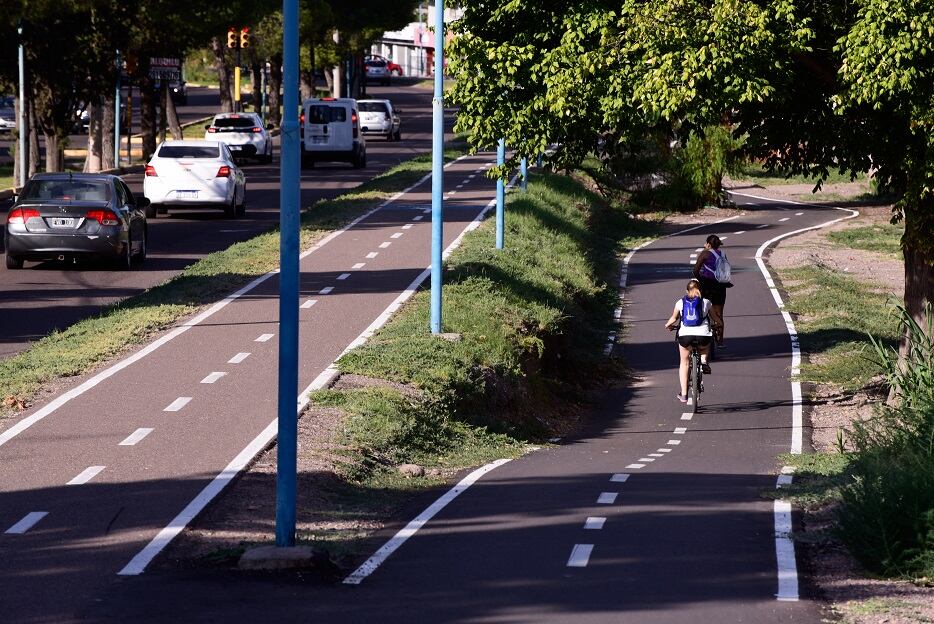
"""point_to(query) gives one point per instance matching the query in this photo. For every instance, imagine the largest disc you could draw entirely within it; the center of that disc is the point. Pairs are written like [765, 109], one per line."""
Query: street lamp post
[437, 171]
[117, 115]
[22, 110]
[500, 196]
[524, 172]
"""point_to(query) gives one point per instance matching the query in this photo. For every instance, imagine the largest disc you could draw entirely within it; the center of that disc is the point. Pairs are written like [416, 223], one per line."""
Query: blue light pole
[117, 115]
[289, 197]
[500, 196]
[524, 172]
[437, 170]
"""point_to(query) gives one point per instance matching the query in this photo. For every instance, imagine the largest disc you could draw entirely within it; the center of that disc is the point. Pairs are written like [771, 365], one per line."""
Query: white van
[331, 131]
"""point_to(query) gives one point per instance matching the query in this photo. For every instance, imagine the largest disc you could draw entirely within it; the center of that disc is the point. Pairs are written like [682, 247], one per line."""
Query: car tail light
[356, 129]
[19, 216]
[151, 172]
[257, 129]
[212, 129]
[104, 217]
[223, 172]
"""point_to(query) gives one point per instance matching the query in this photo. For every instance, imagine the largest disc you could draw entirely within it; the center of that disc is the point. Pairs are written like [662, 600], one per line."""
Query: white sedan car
[244, 133]
[194, 174]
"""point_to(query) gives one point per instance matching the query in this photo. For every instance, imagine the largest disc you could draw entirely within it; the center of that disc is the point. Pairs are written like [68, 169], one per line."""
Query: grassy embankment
[91, 342]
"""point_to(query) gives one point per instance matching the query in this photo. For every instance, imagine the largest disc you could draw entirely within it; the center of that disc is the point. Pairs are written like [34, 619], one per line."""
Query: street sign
[165, 68]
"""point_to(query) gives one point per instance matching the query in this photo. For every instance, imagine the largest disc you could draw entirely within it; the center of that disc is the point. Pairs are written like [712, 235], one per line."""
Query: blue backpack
[692, 311]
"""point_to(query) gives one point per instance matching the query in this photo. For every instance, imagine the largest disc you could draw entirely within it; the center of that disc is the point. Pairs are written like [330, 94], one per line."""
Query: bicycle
[695, 372]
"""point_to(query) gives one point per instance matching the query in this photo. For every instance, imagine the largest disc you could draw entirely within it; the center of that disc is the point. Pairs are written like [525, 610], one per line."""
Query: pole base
[284, 558]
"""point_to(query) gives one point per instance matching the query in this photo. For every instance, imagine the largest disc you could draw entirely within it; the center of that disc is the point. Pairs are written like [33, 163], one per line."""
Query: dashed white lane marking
[673, 442]
[28, 521]
[693, 255]
[687, 416]
[397, 235]
[370, 565]
[358, 265]
[681, 430]
[635, 466]
[798, 214]
[740, 232]
[472, 176]
[784, 219]
[427, 211]
[646, 459]
[764, 225]
[418, 218]
[238, 358]
[699, 249]
[177, 404]
[309, 303]
[86, 475]
[785, 553]
[264, 338]
[326, 290]
[407, 226]
[343, 276]
[594, 523]
[723, 238]
[580, 555]
[663, 450]
[620, 477]
[655, 455]
[213, 377]
[384, 245]
[134, 438]
[372, 255]
[606, 498]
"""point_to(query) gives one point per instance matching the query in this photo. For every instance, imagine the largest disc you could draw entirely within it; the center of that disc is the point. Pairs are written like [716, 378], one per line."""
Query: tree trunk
[223, 75]
[256, 76]
[275, 85]
[54, 151]
[147, 116]
[306, 84]
[108, 119]
[92, 161]
[33, 138]
[163, 121]
[171, 114]
[919, 262]
[313, 61]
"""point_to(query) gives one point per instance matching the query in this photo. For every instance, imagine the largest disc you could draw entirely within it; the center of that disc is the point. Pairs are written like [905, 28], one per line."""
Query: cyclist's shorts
[687, 341]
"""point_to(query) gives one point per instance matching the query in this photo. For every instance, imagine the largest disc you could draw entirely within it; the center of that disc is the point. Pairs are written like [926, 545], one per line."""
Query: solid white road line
[673, 442]
[635, 466]
[384, 245]
[620, 477]
[309, 303]
[177, 404]
[238, 358]
[372, 255]
[607, 498]
[213, 377]
[370, 565]
[785, 553]
[594, 523]
[580, 555]
[343, 276]
[681, 430]
[326, 290]
[396, 235]
[86, 475]
[359, 265]
[264, 338]
[28, 521]
[134, 438]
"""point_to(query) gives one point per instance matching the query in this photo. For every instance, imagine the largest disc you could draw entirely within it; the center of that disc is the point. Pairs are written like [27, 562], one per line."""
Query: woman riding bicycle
[714, 291]
[691, 318]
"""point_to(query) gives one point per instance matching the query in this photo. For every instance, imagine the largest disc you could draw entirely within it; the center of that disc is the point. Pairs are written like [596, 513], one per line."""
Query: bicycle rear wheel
[694, 382]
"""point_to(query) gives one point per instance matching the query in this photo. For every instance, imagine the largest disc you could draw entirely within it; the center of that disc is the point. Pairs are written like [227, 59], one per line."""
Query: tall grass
[887, 517]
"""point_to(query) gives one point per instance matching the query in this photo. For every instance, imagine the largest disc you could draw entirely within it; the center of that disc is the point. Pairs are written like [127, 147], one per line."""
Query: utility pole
[22, 110]
[524, 172]
[500, 196]
[117, 115]
[437, 171]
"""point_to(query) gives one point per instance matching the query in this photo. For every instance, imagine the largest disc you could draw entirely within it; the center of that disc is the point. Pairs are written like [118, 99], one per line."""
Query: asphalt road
[51, 295]
[686, 536]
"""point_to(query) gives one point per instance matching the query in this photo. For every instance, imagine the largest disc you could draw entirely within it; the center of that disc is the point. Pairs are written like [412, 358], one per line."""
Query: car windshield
[373, 107]
[189, 151]
[66, 190]
[234, 122]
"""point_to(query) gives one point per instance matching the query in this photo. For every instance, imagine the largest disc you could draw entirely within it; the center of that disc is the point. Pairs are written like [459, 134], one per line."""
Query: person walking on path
[705, 270]
[691, 317]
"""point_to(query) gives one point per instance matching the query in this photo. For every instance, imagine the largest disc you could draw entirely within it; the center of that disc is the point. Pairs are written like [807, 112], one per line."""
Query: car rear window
[373, 107]
[66, 190]
[234, 122]
[322, 113]
[376, 63]
[188, 151]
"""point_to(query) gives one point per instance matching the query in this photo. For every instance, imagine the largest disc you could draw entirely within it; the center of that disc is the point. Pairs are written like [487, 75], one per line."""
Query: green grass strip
[884, 239]
[93, 341]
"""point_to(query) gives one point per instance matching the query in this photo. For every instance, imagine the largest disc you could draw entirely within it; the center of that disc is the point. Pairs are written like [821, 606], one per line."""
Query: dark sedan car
[76, 215]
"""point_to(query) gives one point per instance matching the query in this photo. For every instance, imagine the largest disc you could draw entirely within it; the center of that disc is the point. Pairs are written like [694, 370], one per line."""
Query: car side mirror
[142, 202]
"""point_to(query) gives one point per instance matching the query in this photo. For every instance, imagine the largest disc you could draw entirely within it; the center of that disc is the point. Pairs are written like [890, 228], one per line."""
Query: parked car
[394, 68]
[331, 131]
[192, 173]
[379, 118]
[83, 119]
[377, 71]
[7, 114]
[76, 215]
[244, 133]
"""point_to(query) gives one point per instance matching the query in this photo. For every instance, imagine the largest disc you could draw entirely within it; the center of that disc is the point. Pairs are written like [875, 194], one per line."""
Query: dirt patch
[837, 191]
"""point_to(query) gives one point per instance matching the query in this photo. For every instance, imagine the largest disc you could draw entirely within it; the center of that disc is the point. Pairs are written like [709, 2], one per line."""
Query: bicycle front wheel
[694, 383]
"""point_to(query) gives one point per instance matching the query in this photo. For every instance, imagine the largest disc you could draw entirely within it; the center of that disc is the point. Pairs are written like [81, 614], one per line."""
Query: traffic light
[244, 37]
[232, 38]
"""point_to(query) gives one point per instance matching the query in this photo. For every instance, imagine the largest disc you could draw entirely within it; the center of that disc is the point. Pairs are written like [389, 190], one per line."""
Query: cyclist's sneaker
[682, 398]
[705, 367]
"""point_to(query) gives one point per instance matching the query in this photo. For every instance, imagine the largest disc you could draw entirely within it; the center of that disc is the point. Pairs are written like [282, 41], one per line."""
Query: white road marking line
[418, 218]
[687, 416]
[673, 442]
[764, 225]
[452, 193]
[635, 466]
[384, 245]
[798, 214]
[370, 565]
[785, 219]
[663, 450]
[177, 404]
[699, 249]
[785, 553]
[646, 459]
[607, 498]
[86, 475]
[238, 358]
[343, 276]
[264, 338]
[740, 232]
[213, 377]
[723, 238]
[681, 430]
[620, 477]
[28, 521]
[397, 235]
[372, 255]
[134, 438]
[358, 265]
[326, 290]
[594, 523]
[309, 303]
[693, 256]
[407, 226]
[580, 555]
[655, 455]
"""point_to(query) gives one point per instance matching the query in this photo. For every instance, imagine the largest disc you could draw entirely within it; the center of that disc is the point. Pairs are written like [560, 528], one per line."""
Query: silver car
[377, 71]
[7, 114]
[379, 118]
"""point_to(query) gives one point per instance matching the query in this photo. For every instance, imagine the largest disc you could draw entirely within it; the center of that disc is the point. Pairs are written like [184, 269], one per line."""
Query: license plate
[62, 223]
[186, 194]
[319, 139]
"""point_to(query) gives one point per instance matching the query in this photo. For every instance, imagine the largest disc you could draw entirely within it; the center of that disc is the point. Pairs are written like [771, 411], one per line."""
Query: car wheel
[141, 254]
[241, 207]
[12, 262]
[125, 259]
[398, 136]
[230, 210]
[152, 211]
